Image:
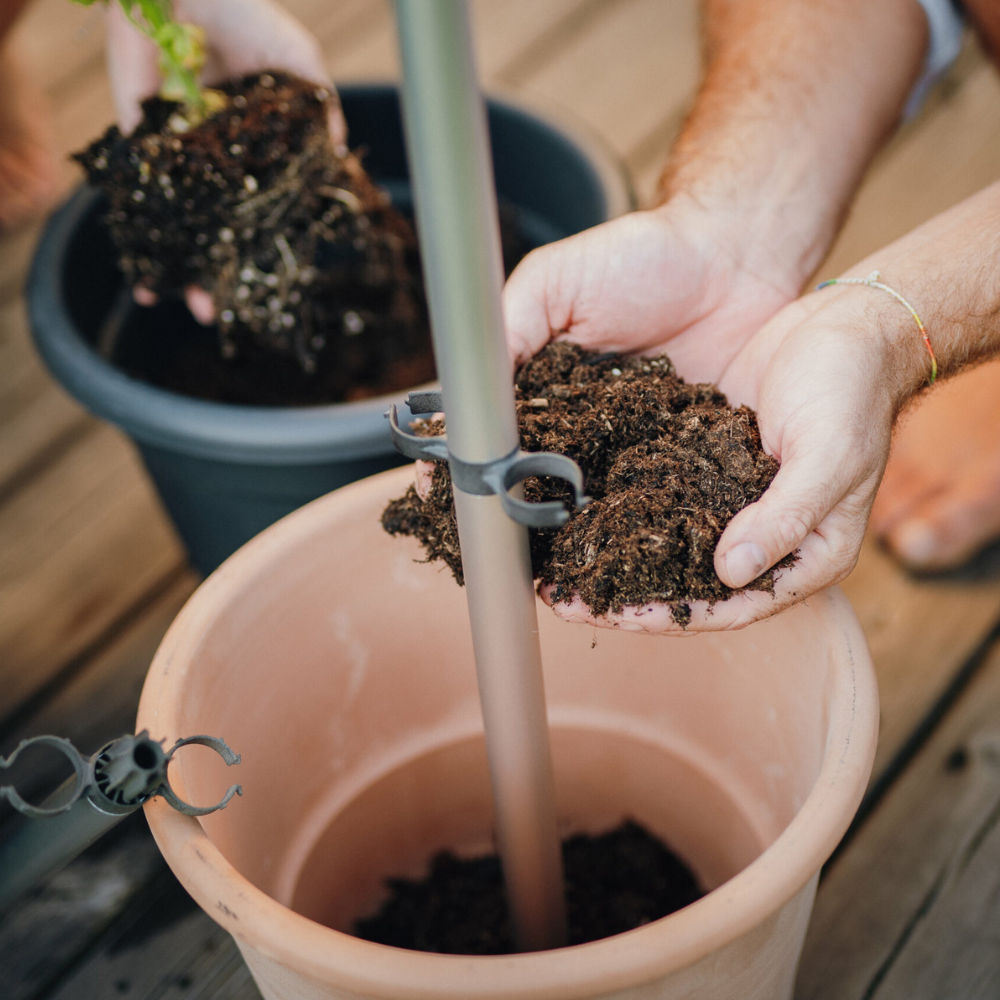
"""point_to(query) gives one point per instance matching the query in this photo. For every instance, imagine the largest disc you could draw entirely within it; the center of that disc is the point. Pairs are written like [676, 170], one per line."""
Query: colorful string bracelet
[872, 281]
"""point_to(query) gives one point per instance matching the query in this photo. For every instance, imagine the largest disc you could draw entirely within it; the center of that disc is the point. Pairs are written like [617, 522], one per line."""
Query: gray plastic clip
[225, 752]
[488, 478]
[119, 778]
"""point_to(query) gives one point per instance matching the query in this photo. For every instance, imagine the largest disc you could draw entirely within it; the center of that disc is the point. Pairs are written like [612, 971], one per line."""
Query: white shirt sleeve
[946, 26]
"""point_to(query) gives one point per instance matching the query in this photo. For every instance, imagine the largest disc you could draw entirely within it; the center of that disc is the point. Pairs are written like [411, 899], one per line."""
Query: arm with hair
[797, 97]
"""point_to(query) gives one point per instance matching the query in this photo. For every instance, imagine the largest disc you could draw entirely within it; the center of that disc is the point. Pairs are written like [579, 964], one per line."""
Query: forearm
[798, 96]
[947, 269]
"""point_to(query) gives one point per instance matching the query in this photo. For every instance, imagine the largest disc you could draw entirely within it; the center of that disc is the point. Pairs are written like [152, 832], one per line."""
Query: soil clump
[290, 236]
[667, 465]
[615, 882]
[315, 277]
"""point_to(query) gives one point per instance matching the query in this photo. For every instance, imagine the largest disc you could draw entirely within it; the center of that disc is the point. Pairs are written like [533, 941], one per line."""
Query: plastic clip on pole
[445, 123]
[104, 789]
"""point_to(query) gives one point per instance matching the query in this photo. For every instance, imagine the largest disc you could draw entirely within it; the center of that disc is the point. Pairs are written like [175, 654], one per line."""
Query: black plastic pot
[225, 472]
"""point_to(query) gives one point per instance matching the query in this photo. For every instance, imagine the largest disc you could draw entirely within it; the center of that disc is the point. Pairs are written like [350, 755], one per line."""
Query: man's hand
[826, 394]
[669, 280]
[243, 36]
[827, 376]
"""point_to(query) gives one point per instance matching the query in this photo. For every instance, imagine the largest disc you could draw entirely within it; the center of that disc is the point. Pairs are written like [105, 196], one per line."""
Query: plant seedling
[182, 56]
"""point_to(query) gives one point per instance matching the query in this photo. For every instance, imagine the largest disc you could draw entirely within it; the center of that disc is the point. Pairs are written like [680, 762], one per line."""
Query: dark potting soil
[667, 464]
[314, 276]
[615, 882]
[165, 346]
[290, 236]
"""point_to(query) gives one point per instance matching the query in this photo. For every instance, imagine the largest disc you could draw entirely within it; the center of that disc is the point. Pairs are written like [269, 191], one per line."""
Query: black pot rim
[226, 431]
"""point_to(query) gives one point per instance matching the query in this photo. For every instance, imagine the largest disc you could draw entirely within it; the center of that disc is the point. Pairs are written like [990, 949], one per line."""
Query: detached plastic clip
[119, 778]
[492, 478]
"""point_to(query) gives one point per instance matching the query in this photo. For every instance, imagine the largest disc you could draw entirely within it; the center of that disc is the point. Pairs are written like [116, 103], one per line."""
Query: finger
[337, 124]
[809, 484]
[526, 306]
[252, 35]
[812, 571]
[144, 296]
[133, 65]
[200, 303]
[423, 473]
[658, 619]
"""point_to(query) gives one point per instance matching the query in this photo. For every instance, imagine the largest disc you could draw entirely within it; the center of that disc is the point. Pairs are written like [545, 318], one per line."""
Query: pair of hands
[668, 281]
[814, 369]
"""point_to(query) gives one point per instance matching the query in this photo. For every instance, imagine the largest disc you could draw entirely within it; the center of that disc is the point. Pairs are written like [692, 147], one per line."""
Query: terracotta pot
[341, 668]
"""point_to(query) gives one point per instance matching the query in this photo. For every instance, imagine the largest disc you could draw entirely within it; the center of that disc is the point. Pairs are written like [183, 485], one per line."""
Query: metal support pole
[37, 848]
[448, 147]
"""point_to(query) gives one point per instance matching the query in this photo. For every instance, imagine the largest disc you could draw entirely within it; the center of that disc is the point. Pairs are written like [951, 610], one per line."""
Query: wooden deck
[91, 572]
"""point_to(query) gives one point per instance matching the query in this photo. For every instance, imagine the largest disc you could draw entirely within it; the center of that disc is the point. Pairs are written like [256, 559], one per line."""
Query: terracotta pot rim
[613, 963]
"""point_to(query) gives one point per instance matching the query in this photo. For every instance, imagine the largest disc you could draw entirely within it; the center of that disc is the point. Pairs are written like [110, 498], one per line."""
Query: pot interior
[341, 667]
[440, 799]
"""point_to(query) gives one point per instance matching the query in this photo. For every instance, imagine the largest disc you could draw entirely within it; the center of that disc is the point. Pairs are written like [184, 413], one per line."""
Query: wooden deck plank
[99, 702]
[16, 249]
[920, 631]
[79, 546]
[636, 64]
[34, 412]
[503, 31]
[163, 947]
[61, 919]
[513, 38]
[954, 154]
[912, 907]
[58, 41]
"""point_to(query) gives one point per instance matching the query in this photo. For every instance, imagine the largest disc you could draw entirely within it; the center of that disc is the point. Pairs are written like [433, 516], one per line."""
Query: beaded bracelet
[872, 281]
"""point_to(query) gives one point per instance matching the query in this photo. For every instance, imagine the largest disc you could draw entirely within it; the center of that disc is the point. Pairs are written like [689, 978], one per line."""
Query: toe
[949, 529]
[904, 487]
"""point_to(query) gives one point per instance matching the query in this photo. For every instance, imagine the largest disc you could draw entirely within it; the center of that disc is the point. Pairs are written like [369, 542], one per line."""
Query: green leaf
[182, 52]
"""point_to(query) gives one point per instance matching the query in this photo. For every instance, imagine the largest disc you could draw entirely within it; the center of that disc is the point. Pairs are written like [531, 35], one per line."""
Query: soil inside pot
[615, 882]
[315, 277]
[667, 464]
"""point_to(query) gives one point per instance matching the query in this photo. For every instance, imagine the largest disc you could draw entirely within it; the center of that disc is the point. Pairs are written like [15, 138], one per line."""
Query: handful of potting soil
[668, 466]
[300, 251]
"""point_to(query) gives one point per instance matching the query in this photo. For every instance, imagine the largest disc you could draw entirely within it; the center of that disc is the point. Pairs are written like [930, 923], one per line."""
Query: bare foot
[939, 502]
[28, 178]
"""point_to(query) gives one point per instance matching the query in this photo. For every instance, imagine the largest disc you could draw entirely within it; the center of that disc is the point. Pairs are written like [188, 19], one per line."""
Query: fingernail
[744, 563]
[915, 541]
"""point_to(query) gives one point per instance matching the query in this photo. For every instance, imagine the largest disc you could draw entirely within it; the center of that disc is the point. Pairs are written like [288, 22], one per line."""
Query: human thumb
[808, 486]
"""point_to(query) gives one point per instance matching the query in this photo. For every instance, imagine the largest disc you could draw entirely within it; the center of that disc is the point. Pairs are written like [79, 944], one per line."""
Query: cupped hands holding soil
[667, 464]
